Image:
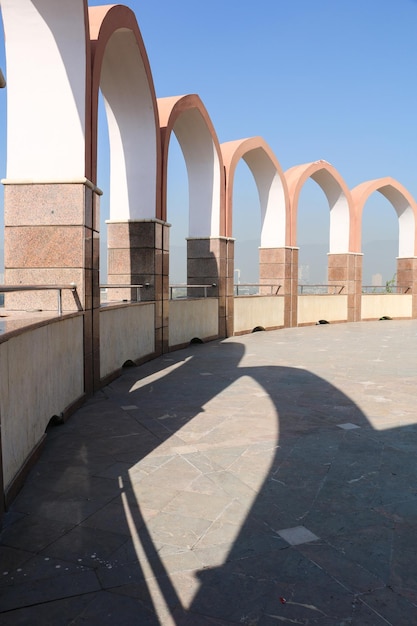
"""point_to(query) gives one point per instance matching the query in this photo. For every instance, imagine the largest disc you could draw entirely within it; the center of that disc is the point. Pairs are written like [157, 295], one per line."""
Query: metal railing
[385, 289]
[184, 290]
[253, 289]
[58, 288]
[124, 286]
[320, 290]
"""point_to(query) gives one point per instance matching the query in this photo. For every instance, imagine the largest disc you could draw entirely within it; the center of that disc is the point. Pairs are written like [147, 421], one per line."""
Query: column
[407, 279]
[138, 253]
[279, 266]
[52, 238]
[211, 261]
[346, 269]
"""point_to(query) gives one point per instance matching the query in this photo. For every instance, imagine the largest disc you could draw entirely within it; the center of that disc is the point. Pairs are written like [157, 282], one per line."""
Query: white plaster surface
[41, 374]
[339, 211]
[203, 171]
[252, 311]
[126, 332]
[377, 305]
[192, 318]
[132, 129]
[313, 308]
[46, 87]
[271, 198]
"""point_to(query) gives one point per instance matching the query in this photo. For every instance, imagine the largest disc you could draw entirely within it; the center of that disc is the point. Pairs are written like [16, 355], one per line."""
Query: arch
[121, 70]
[404, 204]
[187, 117]
[48, 69]
[337, 194]
[271, 185]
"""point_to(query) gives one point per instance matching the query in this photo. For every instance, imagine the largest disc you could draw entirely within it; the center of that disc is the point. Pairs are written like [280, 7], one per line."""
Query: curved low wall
[253, 311]
[126, 333]
[189, 319]
[377, 305]
[312, 308]
[41, 375]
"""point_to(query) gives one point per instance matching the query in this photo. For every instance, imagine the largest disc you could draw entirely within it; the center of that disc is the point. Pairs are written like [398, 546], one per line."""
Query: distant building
[376, 280]
[303, 273]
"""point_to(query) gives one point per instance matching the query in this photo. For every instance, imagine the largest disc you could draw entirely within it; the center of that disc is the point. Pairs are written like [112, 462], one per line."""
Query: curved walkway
[260, 480]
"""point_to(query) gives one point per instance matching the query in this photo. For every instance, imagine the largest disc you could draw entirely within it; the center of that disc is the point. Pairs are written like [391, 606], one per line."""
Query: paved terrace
[260, 480]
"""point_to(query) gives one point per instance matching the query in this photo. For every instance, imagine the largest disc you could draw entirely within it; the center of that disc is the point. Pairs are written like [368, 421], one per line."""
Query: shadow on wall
[221, 482]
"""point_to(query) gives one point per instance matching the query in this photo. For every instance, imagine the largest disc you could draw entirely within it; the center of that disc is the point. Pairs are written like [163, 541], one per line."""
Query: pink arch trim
[401, 200]
[232, 152]
[104, 22]
[318, 170]
[170, 110]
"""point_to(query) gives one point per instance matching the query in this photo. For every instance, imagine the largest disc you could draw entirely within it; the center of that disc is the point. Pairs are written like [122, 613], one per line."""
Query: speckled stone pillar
[52, 237]
[138, 253]
[407, 278]
[211, 261]
[346, 269]
[279, 266]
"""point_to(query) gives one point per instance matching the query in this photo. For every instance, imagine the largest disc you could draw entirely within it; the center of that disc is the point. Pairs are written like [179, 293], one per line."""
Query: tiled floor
[261, 480]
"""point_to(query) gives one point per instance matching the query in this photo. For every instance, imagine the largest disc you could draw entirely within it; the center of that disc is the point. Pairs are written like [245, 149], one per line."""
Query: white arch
[406, 219]
[271, 197]
[46, 60]
[339, 211]
[132, 129]
[270, 183]
[203, 169]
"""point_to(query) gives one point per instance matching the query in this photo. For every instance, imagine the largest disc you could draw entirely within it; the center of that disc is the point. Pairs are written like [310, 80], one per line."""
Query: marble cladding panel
[44, 246]
[217, 248]
[94, 198]
[337, 274]
[118, 235]
[47, 204]
[199, 268]
[273, 255]
[136, 261]
[129, 235]
[406, 264]
[165, 237]
[337, 260]
[165, 263]
[45, 300]
[198, 249]
[159, 236]
[95, 249]
[144, 233]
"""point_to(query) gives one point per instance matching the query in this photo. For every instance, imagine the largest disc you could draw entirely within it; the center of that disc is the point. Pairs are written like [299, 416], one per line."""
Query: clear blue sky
[331, 79]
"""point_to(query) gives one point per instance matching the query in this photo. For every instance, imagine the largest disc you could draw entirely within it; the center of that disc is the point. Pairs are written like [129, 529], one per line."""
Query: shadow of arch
[337, 194]
[295, 459]
[222, 485]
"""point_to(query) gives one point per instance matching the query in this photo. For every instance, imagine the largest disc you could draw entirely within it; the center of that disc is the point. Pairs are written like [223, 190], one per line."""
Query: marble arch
[121, 70]
[338, 196]
[271, 185]
[405, 206]
[187, 117]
